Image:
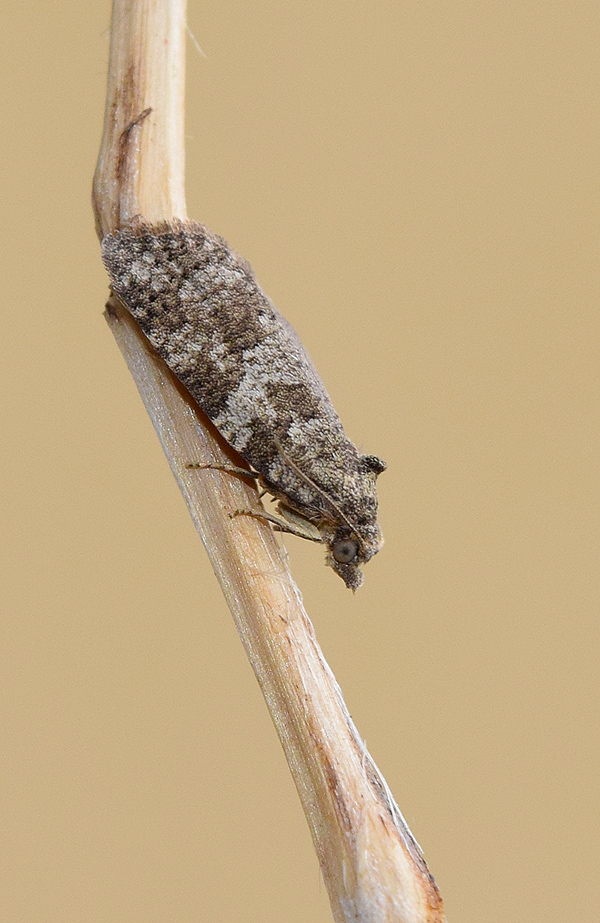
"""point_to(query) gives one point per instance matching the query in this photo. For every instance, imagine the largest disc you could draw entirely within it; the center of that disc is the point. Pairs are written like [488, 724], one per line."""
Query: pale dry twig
[372, 866]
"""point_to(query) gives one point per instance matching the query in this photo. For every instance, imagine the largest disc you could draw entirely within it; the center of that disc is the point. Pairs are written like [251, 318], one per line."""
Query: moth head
[347, 551]
[348, 527]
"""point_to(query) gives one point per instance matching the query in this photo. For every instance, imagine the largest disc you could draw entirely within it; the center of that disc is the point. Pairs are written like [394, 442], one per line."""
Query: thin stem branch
[372, 866]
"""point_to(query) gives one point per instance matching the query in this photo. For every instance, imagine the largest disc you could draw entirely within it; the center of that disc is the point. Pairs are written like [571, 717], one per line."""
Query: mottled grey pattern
[201, 308]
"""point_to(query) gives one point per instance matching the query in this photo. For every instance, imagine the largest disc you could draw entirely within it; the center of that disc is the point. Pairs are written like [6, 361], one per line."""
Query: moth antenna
[311, 483]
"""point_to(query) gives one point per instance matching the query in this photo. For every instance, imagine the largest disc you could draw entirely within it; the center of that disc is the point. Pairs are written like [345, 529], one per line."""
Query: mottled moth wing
[201, 308]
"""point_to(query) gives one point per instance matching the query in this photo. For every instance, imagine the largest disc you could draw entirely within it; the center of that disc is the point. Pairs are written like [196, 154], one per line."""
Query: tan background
[417, 188]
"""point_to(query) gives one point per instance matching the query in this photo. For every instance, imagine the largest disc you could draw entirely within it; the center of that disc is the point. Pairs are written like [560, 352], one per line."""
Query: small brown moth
[203, 311]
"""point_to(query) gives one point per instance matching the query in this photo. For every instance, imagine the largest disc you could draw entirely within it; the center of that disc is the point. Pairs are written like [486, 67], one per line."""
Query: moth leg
[280, 524]
[229, 469]
[302, 524]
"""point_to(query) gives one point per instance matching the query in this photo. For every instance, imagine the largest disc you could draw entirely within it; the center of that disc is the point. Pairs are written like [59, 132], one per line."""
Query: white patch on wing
[250, 401]
[304, 431]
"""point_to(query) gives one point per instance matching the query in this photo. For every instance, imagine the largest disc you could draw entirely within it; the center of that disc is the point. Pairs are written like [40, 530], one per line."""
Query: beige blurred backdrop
[416, 186]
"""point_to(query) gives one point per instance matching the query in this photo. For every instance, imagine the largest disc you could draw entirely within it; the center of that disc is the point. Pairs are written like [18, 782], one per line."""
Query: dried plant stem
[373, 869]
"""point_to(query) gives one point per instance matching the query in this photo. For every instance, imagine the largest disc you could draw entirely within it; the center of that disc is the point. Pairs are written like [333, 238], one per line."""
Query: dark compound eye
[345, 551]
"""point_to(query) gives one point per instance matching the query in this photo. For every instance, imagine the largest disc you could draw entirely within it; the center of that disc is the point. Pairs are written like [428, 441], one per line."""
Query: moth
[201, 308]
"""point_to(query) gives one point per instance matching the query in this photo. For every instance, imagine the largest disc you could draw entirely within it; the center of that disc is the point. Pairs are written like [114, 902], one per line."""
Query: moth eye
[345, 551]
